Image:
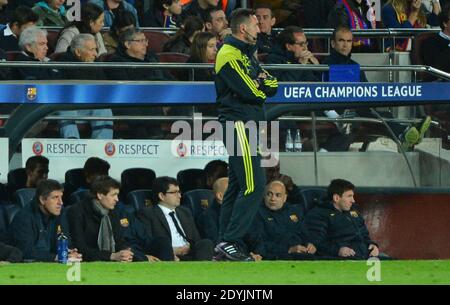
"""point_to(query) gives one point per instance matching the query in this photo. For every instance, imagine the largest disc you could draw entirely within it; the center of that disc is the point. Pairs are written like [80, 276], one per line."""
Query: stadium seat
[17, 179]
[11, 211]
[52, 39]
[156, 40]
[136, 178]
[23, 196]
[77, 196]
[173, 57]
[191, 179]
[139, 199]
[197, 200]
[56, 56]
[312, 197]
[74, 179]
[12, 55]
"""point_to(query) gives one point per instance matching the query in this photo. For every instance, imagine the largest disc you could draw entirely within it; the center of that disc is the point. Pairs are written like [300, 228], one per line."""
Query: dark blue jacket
[35, 234]
[336, 58]
[208, 222]
[331, 229]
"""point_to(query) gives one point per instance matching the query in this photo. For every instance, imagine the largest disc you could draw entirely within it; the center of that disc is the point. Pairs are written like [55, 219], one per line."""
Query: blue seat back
[197, 201]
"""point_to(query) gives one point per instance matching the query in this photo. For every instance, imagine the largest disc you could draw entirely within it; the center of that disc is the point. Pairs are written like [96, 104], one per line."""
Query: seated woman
[125, 20]
[181, 42]
[51, 13]
[203, 50]
[405, 14]
[92, 20]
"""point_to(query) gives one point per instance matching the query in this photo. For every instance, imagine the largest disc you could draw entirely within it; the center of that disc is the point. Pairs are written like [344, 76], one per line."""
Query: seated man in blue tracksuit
[336, 228]
[35, 228]
[278, 231]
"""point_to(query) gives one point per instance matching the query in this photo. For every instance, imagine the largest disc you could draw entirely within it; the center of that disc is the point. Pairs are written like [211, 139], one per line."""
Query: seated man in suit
[336, 228]
[99, 228]
[35, 227]
[168, 219]
[278, 231]
[208, 221]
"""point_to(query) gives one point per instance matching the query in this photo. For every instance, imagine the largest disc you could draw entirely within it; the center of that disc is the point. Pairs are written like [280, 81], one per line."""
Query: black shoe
[230, 251]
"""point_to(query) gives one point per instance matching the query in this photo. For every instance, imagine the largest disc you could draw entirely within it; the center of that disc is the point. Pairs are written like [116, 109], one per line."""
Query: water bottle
[289, 142]
[62, 246]
[298, 141]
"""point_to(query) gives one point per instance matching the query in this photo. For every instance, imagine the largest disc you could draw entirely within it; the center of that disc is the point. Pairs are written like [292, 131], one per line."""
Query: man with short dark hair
[22, 18]
[36, 168]
[35, 228]
[214, 170]
[198, 8]
[163, 14]
[216, 22]
[266, 20]
[113, 7]
[168, 219]
[242, 87]
[436, 49]
[336, 228]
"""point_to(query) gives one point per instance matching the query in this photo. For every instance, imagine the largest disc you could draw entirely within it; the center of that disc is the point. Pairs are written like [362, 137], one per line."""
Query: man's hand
[256, 257]
[308, 57]
[152, 258]
[311, 249]
[346, 252]
[74, 256]
[181, 251]
[297, 249]
[123, 256]
[373, 250]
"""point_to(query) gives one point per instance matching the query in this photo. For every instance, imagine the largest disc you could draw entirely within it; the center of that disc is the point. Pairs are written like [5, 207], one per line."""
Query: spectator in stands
[10, 254]
[5, 12]
[432, 6]
[22, 18]
[341, 43]
[96, 226]
[51, 13]
[208, 220]
[436, 49]
[266, 20]
[352, 14]
[163, 14]
[112, 8]
[169, 219]
[84, 49]
[124, 21]
[203, 50]
[406, 14]
[216, 23]
[316, 12]
[182, 40]
[278, 231]
[35, 228]
[292, 47]
[198, 8]
[95, 167]
[36, 168]
[133, 48]
[214, 170]
[336, 228]
[92, 21]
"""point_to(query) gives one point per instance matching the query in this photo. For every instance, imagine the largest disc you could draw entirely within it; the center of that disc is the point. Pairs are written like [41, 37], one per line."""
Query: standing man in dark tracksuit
[35, 227]
[337, 229]
[242, 87]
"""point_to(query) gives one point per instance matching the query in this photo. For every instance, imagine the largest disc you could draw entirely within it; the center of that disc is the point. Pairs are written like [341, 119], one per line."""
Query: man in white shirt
[169, 219]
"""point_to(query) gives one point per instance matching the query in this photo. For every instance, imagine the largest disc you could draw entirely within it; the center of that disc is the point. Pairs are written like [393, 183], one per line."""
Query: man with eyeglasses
[168, 219]
[292, 48]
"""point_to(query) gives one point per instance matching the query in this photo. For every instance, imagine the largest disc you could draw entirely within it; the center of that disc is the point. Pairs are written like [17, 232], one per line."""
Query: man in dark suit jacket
[22, 18]
[168, 219]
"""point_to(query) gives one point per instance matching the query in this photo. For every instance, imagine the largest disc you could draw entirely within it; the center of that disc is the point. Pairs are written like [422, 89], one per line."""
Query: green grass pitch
[231, 273]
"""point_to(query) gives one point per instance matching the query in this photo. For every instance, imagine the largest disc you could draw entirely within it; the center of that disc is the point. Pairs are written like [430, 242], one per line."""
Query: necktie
[177, 226]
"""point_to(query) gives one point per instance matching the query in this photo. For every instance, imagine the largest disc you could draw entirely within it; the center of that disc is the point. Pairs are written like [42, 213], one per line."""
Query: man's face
[218, 23]
[265, 20]
[447, 27]
[53, 203]
[175, 8]
[88, 53]
[300, 45]
[344, 202]
[55, 4]
[138, 46]
[275, 196]
[38, 174]
[109, 200]
[251, 30]
[171, 198]
[343, 43]
[39, 48]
